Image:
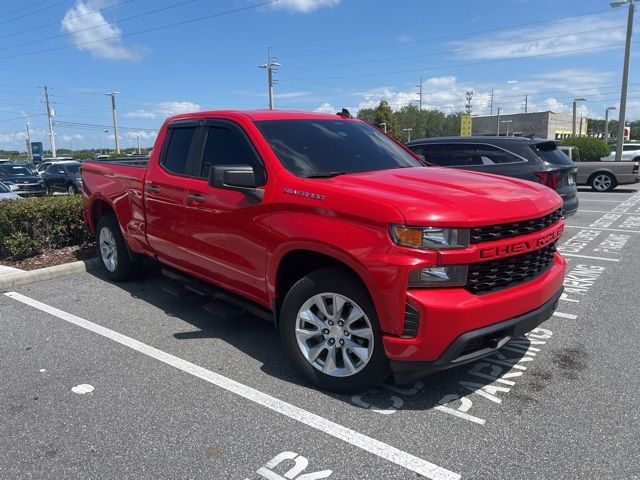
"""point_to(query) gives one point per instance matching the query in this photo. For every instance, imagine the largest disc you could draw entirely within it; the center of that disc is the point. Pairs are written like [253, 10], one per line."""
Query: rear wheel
[113, 251]
[330, 331]
[603, 182]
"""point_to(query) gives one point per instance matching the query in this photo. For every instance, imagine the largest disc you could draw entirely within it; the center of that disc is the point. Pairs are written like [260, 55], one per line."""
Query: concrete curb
[23, 278]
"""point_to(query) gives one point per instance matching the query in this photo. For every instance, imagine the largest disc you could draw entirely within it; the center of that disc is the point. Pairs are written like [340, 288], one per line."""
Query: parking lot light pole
[384, 125]
[408, 130]
[508, 122]
[498, 129]
[625, 75]
[575, 101]
[606, 123]
[115, 119]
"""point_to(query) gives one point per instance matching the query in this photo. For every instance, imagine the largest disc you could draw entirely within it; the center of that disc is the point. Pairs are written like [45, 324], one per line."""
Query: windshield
[73, 169]
[313, 147]
[15, 170]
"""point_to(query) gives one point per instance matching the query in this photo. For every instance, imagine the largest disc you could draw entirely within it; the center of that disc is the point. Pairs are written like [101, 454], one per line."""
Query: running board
[224, 304]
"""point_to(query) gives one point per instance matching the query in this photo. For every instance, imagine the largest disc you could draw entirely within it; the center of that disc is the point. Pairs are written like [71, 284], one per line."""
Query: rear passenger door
[165, 194]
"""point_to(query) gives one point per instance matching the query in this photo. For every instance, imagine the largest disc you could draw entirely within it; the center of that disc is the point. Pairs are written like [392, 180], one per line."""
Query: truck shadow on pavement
[258, 339]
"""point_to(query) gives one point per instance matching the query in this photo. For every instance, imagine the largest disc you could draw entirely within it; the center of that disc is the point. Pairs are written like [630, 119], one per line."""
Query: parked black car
[63, 177]
[28, 183]
[534, 159]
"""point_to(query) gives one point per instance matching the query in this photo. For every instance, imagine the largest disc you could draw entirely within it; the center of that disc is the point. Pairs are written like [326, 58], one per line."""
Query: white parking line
[603, 229]
[565, 315]
[587, 256]
[603, 201]
[619, 213]
[352, 437]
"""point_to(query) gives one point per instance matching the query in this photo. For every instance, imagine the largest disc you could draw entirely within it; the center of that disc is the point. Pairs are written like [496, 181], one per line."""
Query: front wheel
[330, 331]
[603, 182]
[113, 251]
[71, 189]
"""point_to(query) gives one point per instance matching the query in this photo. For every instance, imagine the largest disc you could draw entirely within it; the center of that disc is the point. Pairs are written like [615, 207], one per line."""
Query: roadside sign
[465, 125]
[627, 133]
[36, 151]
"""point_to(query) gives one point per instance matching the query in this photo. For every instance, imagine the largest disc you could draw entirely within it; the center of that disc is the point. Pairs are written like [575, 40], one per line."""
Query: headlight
[445, 276]
[433, 238]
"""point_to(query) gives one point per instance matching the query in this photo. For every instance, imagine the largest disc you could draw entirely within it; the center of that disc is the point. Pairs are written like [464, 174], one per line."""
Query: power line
[444, 37]
[153, 29]
[143, 14]
[448, 52]
[374, 74]
[23, 8]
[70, 18]
[35, 11]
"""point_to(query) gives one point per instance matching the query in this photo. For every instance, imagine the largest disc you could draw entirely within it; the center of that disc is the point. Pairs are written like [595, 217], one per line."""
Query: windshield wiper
[324, 174]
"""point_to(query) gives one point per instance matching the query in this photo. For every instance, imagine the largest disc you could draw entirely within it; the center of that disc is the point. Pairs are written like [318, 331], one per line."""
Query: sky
[172, 56]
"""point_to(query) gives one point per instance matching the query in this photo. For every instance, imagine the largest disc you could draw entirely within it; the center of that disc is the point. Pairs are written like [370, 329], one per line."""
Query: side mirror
[13, 187]
[241, 178]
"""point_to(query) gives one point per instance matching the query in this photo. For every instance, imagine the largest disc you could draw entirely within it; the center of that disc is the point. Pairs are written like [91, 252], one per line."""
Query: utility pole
[499, 108]
[492, 101]
[138, 139]
[625, 76]
[50, 114]
[29, 143]
[526, 103]
[469, 97]
[420, 94]
[271, 65]
[115, 118]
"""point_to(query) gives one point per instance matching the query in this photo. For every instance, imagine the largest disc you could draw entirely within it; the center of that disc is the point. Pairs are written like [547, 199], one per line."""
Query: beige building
[550, 125]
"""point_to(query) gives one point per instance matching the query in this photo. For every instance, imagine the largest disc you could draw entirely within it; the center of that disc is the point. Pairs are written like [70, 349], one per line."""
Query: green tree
[382, 114]
[590, 148]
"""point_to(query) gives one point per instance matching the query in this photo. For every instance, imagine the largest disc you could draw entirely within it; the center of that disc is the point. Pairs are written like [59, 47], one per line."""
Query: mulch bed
[52, 257]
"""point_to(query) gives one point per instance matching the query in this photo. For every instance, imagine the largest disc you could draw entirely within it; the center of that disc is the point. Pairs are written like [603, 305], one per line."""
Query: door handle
[153, 189]
[195, 198]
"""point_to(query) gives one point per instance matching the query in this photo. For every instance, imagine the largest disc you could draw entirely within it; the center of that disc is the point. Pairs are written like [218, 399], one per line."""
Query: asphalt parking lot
[103, 380]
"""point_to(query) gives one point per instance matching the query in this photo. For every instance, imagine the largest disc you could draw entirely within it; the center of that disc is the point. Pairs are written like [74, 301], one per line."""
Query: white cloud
[304, 6]
[326, 107]
[93, 33]
[164, 109]
[600, 30]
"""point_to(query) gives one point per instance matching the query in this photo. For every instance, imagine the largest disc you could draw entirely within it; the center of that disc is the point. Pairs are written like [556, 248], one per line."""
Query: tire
[47, 190]
[309, 346]
[113, 251]
[602, 182]
[72, 189]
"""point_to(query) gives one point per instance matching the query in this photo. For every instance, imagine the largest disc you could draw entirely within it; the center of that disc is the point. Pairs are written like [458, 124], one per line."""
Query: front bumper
[445, 314]
[31, 192]
[476, 344]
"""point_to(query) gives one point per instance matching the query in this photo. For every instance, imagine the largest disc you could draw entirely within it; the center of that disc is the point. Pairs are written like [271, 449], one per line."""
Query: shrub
[29, 226]
[590, 148]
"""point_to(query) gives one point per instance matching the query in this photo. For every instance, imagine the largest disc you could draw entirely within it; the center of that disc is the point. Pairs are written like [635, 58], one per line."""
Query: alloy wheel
[108, 249]
[334, 334]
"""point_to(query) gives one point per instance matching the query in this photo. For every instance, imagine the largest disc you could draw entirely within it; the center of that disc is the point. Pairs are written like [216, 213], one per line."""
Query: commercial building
[550, 125]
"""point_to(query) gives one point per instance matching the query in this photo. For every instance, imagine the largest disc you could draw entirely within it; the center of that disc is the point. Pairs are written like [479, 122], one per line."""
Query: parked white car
[630, 152]
[7, 192]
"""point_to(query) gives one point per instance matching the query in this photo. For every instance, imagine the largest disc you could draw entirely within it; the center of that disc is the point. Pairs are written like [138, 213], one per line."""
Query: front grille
[508, 230]
[30, 188]
[486, 277]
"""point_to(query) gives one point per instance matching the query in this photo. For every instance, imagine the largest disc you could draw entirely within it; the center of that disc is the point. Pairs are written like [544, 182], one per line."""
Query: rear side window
[550, 153]
[175, 158]
[225, 146]
[465, 155]
[630, 148]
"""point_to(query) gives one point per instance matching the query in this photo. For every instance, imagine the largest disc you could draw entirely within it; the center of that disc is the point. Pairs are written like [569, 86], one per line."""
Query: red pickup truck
[367, 260]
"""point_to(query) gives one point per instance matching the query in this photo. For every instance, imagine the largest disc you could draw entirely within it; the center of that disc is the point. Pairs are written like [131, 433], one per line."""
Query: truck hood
[447, 197]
